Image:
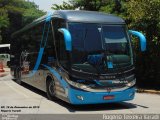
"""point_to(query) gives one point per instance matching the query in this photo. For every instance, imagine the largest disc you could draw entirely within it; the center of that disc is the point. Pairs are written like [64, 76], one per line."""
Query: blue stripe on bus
[49, 16]
[37, 62]
[41, 50]
[57, 75]
[43, 34]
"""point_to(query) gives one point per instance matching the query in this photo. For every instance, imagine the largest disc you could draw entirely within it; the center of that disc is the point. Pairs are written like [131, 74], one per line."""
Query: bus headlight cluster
[130, 84]
[77, 85]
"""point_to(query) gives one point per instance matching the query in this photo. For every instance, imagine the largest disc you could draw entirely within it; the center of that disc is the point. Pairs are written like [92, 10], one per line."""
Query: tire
[18, 77]
[50, 88]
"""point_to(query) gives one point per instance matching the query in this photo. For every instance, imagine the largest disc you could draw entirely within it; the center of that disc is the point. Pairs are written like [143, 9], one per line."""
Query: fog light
[80, 97]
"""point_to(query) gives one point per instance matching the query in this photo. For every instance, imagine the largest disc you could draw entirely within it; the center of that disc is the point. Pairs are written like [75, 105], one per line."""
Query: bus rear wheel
[51, 89]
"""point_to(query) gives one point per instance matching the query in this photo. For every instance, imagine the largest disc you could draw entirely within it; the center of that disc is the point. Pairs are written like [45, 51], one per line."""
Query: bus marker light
[108, 97]
[80, 97]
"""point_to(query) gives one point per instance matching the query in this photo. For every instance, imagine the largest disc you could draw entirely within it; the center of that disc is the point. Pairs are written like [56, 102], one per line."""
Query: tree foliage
[144, 16]
[14, 14]
[4, 21]
[64, 6]
[92, 5]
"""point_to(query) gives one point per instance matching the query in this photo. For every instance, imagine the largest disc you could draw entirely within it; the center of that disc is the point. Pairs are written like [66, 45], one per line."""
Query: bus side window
[60, 43]
[50, 49]
[62, 51]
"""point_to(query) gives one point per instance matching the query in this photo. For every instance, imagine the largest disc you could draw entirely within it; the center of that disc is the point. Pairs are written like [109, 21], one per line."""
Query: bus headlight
[77, 85]
[130, 84]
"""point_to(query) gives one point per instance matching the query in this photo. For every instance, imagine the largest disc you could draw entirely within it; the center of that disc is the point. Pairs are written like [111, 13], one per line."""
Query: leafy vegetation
[145, 16]
[64, 6]
[14, 14]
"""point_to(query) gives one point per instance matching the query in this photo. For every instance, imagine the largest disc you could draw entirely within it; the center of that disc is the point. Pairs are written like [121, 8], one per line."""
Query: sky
[46, 4]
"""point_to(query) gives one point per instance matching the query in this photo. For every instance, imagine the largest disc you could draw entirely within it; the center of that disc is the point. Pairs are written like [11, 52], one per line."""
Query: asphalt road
[28, 100]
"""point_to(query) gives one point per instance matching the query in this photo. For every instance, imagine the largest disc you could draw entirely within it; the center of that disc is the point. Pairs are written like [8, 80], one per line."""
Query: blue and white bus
[81, 57]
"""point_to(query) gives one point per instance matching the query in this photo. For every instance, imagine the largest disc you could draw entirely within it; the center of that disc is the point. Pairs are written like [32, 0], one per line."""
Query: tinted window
[84, 35]
[116, 40]
[60, 43]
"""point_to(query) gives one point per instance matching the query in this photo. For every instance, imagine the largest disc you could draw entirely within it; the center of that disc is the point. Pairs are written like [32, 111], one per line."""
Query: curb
[147, 91]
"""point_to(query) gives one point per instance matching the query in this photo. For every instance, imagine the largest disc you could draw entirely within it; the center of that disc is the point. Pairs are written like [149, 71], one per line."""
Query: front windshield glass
[98, 48]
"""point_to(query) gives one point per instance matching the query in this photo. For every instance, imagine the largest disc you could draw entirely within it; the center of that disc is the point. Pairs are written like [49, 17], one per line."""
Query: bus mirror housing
[141, 38]
[67, 38]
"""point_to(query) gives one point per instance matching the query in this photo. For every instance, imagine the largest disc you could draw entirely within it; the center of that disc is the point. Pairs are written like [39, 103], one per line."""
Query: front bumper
[74, 96]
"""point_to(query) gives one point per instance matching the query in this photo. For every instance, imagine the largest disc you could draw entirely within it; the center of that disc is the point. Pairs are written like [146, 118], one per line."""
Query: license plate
[108, 97]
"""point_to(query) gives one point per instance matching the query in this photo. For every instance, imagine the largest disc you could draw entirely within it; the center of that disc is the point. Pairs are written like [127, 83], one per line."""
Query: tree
[14, 14]
[64, 6]
[4, 21]
[145, 17]
[92, 5]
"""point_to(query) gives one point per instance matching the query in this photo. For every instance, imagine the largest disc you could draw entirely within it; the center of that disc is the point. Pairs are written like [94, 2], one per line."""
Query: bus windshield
[98, 48]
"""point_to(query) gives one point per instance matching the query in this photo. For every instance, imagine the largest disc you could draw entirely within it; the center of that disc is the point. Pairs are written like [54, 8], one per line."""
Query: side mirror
[67, 38]
[141, 37]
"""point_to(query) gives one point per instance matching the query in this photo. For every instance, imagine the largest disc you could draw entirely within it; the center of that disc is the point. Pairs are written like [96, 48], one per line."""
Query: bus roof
[78, 16]
[88, 16]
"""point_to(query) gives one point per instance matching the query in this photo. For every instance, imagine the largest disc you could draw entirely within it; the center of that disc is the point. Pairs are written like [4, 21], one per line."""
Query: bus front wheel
[51, 89]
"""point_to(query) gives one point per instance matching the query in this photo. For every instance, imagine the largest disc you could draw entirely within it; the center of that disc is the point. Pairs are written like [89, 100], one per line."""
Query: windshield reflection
[98, 48]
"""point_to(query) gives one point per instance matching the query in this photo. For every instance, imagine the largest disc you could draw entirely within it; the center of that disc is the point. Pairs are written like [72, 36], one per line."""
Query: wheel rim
[52, 88]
